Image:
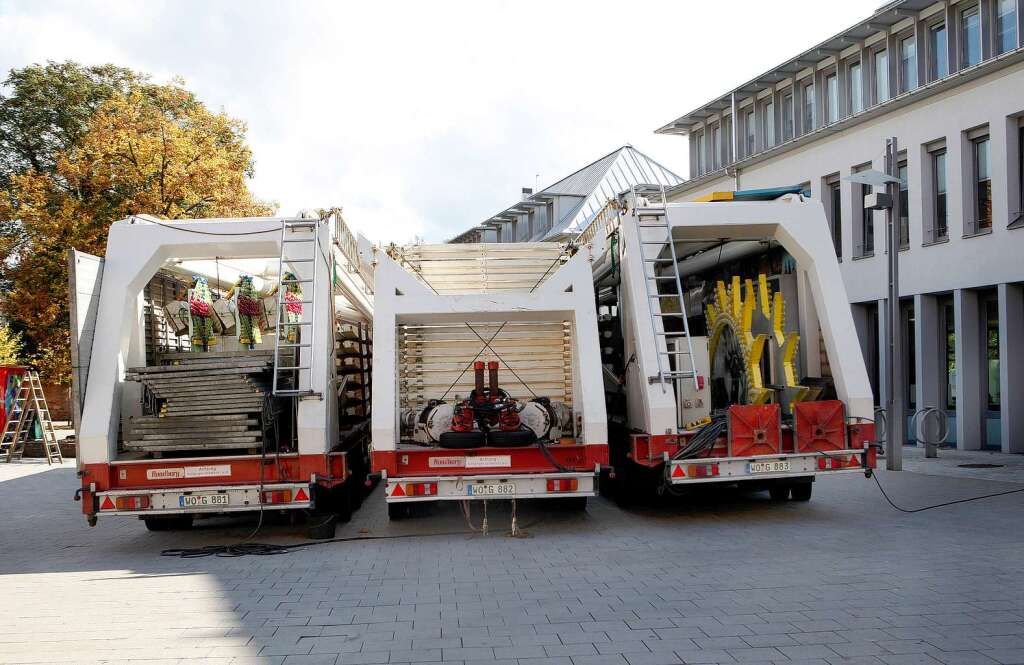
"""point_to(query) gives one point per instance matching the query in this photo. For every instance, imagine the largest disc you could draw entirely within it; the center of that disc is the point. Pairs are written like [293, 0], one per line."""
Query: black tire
[779, 492]
[179, 523]
[398, 511]
[462, 440]
[342, 500]
[801, 491]
[516, 439]
[320, 526]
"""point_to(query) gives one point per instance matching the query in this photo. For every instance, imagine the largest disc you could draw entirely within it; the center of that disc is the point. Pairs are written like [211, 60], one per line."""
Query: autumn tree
[10, 346]
[144, 149]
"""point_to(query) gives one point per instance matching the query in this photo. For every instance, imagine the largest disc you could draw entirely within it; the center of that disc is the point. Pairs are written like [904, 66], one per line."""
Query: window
[907, 313]
[787, 116]
[992, 350]
[768, 122]
[908, 64]
[982, 184]
[831, 99]
[808, 114]
[881, 76]
[834, 205]
[1006, 25]
[716, 147]
[950, 321]
[856, 88]
[1020, 175]
[938, 60]
[904, 194]
[727, 155]
[864, 243]
[970, 37]
[751, 137]
[940, 220]
[701, 147]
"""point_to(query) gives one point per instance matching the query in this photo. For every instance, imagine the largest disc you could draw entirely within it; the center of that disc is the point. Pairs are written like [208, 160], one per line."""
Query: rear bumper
[767, 467]
[235, 498]
[461, 488]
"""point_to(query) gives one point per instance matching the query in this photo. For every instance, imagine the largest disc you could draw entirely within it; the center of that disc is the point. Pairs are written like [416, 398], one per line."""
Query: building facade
[946, 80]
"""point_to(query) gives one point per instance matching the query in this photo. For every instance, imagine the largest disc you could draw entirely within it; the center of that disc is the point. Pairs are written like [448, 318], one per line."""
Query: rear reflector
[831, 463]
[563, 485]
[703, 470]
[277, 496]
[130, 502]
[418, 489]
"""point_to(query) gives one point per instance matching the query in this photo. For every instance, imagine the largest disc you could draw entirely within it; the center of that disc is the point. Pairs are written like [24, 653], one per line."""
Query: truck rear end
[215, 359]
[729, 332]
[487, 380]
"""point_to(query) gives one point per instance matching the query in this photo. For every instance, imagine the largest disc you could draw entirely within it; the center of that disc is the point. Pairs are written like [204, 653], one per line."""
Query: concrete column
[1011, 366]
[970, 413]
[928, 356]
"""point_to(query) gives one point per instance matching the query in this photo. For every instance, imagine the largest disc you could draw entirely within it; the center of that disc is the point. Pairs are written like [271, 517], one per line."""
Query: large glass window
[982, 183]
[831, 99]
[1006, 25]
[902, 174]
[910, 357]
[787, 116]
[769, 124]
[856, 88]
[992, 351]
[835, 201]
[908, 64]
[750, 143]
[950, 321]
[864, 242]
[970, 37]
[940, 227]
[808, 112]
[881, 76]
[938, 60]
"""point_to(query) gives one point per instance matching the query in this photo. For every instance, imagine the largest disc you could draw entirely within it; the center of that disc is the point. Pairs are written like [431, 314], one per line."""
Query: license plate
[491, 489]
[203, 500]
[769, 467]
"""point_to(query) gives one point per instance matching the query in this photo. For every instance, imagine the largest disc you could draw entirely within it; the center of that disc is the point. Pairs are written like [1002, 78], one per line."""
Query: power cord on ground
[271, 549]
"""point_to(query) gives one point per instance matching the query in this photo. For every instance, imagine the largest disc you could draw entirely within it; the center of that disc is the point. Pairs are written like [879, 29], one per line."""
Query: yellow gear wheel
[731, 319]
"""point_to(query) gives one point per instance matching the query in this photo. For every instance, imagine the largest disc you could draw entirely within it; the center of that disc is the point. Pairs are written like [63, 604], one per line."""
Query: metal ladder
[654, 217]
[300, 235]
[17, 431]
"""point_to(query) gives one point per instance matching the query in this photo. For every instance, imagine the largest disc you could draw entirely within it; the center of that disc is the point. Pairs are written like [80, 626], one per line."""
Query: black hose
[271, 549]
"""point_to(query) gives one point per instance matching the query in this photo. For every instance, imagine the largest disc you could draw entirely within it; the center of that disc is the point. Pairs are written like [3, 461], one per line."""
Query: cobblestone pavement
[732, 578]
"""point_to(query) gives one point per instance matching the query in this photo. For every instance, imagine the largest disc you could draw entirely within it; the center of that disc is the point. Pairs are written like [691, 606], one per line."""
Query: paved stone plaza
[732, 578]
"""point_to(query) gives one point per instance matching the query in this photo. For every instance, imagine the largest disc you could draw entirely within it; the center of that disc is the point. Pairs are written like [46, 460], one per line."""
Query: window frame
[700, 147]
[865, 217]
[768, 124]
[749, 132]
[833, 186]
[932, 70]
[808, 103]
[903, 192]
[974, 140]
[933, 156]
[876, 80]
[962, 14]
[907, 75]
[852, 82]
[997, 46]
[828, 104]
[716, 146]
[788, 119]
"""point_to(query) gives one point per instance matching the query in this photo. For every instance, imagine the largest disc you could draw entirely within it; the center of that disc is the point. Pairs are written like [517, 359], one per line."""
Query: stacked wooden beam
[212, 400]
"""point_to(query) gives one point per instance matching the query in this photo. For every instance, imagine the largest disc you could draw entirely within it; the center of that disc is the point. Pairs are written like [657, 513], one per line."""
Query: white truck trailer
[524, 314]
[706, 307]
[168, 432]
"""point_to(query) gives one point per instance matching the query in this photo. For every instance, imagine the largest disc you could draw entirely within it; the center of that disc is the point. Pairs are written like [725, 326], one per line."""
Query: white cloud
[423, 118]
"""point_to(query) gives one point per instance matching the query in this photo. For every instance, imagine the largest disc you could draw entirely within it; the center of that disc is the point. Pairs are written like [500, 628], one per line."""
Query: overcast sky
[423, 118]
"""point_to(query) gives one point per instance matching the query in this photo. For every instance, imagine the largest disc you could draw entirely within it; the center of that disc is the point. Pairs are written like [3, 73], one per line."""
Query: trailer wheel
[179, 523]
[779, 492]
[398, 511]
[801, 491]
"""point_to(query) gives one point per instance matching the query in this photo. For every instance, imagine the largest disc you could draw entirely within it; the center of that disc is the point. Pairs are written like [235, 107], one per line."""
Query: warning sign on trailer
[485, 461]
[447, 462]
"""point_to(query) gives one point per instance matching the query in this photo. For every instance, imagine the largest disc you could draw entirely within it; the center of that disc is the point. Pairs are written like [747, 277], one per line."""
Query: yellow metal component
[747, 320]
[789, 358]
[697, 424]
[723, 298]
[737, 296]
[714, 196]
[779, 319]
[711, 312]
[766, 304]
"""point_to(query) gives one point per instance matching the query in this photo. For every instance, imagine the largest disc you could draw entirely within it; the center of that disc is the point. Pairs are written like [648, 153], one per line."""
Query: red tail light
[831, 463]
[421, 489]
[140, 502]
[277, 496]
[703, 470]
[563, 485]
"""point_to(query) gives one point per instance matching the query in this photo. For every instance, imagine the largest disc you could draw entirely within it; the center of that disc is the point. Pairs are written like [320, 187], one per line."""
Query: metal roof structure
[887, 16]
[574, 200]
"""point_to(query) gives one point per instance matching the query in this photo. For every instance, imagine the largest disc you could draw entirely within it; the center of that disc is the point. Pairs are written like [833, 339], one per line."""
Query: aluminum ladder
[17, 432]
[299, 246]
[653, 219]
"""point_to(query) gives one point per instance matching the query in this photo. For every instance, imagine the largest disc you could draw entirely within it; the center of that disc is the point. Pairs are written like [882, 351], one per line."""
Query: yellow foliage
[155, 150]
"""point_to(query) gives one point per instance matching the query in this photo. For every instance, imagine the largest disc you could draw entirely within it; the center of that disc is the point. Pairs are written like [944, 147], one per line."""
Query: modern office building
[946, 79]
